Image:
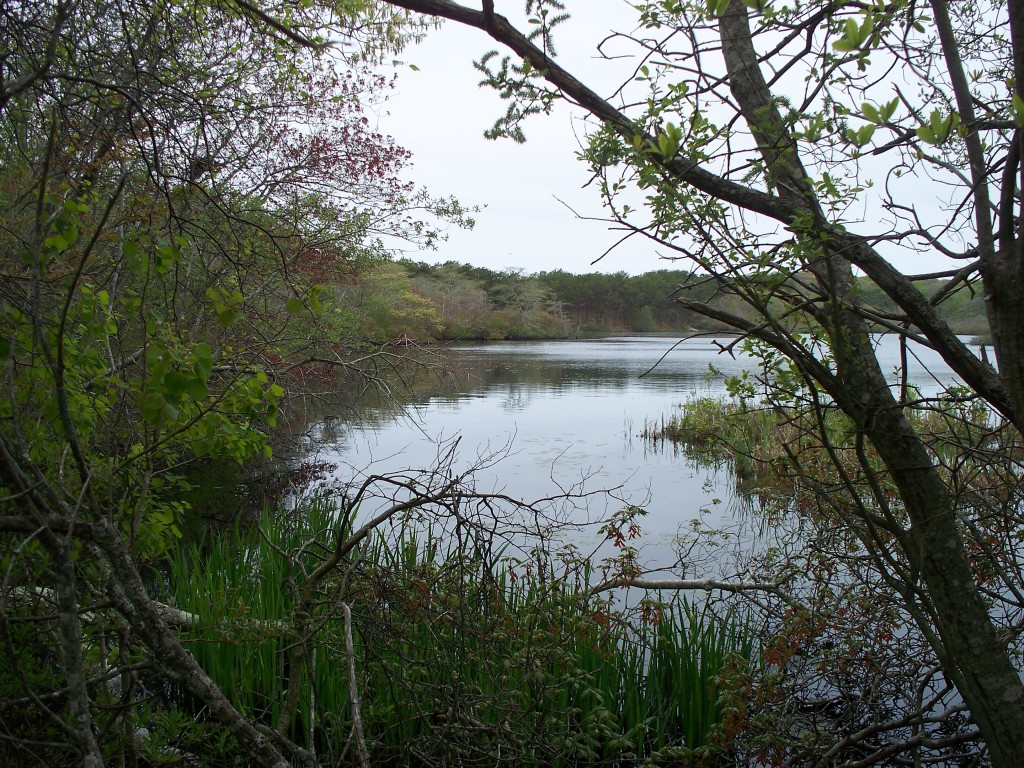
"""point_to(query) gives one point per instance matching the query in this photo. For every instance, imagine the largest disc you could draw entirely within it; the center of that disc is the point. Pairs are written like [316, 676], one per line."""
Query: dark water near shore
[568, 414]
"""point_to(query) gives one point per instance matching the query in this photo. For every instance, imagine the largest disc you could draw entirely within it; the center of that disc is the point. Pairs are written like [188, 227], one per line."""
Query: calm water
[569, 413]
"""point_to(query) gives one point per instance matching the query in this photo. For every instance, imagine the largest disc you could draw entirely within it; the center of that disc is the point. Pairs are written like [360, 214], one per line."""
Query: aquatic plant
[462, 654]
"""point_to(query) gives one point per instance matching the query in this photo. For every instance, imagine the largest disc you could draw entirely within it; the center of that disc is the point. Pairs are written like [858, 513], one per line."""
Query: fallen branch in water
[705, 585]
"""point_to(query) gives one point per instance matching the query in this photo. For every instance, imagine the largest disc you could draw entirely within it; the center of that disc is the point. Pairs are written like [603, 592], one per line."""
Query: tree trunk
[973, 655]
[1004, 304]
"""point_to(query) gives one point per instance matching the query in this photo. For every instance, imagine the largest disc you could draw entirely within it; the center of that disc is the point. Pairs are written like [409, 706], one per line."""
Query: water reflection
[571, 413]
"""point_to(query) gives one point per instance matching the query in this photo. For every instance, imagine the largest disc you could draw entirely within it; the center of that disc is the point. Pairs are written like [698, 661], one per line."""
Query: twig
[353, 691]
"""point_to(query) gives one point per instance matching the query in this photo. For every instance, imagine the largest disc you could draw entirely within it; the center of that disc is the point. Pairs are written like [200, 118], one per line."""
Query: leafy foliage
[181, 182]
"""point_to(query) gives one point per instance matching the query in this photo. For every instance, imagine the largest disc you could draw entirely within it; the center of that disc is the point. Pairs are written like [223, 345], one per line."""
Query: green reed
[463, 656]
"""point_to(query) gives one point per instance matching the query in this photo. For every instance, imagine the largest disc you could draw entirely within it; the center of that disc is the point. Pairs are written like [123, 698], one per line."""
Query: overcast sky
[440, 113]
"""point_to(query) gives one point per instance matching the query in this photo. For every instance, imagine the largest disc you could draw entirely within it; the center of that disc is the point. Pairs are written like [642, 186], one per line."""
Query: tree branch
[501, 30]
[696, 585]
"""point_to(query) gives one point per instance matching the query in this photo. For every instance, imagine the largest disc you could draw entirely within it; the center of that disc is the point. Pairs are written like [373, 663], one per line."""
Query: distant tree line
[461, 301]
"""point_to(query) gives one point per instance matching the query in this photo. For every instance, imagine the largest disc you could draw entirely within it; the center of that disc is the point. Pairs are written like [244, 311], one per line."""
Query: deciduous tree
[781, 148]
[179, 180]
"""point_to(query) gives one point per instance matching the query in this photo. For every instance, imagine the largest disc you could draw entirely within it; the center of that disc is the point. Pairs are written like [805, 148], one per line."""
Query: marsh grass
[761, 445]
[241, 589]
[464, 657]
[717, 431]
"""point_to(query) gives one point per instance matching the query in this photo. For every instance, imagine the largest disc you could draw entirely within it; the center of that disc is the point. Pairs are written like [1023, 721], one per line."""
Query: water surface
[568, 414]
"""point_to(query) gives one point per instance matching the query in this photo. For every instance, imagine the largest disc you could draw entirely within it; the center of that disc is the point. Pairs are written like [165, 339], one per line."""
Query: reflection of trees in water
[315, 419]
[476, 373]
[511, 375]
[312, 419]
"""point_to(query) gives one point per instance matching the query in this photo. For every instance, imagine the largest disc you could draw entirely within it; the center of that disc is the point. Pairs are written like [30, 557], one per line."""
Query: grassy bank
[460, 657]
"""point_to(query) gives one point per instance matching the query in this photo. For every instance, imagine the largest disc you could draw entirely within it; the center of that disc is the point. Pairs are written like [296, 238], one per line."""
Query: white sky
[439, 113]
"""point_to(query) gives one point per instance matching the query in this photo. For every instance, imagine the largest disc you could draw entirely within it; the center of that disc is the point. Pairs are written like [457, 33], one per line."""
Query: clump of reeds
[789, 456]
[750, 440]
[463, 657]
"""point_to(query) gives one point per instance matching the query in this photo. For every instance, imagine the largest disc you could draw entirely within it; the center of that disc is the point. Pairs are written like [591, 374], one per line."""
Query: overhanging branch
[500, 29]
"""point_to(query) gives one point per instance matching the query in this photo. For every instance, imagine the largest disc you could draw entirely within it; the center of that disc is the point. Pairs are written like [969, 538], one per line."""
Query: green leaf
[203, 365]
[175, 384]
[169, 411]
[154, 354]
[150, 408]
[864, 33]
[168, 253]
[888, 110]
[197, 389]
[164, 515]
[226, 316]
[939, 128]
[855, 35]
[1018, 110]
[56, 242]
[293, 305]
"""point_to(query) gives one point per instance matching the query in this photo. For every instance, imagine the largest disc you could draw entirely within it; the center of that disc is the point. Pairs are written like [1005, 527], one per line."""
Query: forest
[452, 301]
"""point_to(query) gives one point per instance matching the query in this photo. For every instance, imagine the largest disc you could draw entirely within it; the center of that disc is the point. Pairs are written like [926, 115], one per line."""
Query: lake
[569, 413]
